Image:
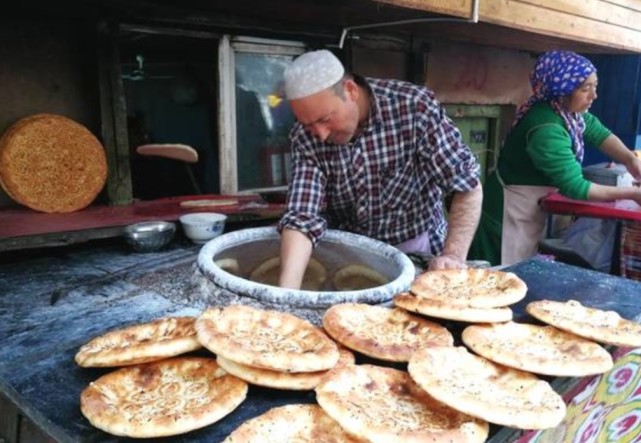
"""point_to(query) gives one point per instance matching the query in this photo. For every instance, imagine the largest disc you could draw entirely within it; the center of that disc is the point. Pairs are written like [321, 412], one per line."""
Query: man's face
[327, 115]
[583, 96]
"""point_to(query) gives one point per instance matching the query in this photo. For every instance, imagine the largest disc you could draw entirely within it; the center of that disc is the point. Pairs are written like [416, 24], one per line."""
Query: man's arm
[295, 251]
[463, 220]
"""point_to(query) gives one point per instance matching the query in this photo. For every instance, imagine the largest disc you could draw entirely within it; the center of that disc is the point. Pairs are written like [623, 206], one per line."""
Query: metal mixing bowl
[149, 236]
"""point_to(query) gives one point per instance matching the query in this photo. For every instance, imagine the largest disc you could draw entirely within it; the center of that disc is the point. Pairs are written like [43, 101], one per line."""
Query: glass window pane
[263, 120]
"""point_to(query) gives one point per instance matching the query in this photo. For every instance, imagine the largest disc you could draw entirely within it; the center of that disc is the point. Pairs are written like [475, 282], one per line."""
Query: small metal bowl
[149, 236]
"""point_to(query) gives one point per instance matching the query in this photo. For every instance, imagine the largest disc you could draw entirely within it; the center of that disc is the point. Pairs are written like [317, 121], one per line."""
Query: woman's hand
[634, 167]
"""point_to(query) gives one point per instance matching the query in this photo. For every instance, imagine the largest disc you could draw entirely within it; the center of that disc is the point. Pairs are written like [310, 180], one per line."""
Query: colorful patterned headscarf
[557, 74]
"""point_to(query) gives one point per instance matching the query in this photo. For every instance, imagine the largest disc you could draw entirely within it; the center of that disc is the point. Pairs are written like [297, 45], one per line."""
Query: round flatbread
[598, 325]
[291, 423]
[357, 277]
[50, 163]
[266, 339]
[300, 381]
[385, 405]
[159, 399]
[539, 349]
[473, 288]
[383, 333]
[483, 389]
[228, 265]
[268, 272]
[204, 203]
[442, 309]
[175, 151]
[162, 338]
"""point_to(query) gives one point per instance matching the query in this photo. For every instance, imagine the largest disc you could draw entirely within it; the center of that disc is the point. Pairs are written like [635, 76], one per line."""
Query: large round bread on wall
[51, 164]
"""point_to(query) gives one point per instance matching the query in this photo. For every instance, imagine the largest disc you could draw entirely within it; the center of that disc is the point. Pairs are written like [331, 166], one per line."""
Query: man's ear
[352, 90]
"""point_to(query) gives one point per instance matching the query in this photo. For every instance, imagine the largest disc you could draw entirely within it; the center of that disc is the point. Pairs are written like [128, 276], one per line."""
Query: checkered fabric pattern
[388, 183]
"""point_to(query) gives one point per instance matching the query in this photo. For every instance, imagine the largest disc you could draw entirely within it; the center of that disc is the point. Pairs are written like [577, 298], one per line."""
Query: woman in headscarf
[543, 152]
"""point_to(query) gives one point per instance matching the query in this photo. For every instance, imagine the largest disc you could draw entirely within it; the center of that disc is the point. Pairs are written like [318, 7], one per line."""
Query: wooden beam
[114, 117]
[538, 18]
[456, 8]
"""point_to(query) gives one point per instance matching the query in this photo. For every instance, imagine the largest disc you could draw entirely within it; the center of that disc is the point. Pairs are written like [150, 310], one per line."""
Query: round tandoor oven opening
[336, 250]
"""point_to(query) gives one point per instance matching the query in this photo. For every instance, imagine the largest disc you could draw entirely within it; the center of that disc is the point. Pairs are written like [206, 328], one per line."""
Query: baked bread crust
[266, 339]
[383, 333]
[483, 389]
[291, 423]
[357, 277]
[162, 338]
[299, 381]
[163, 398]
[204, 203]
[50, 163]
[385, 405]
[442, 309]
[603, 326]
[472, 288]
[539, 349]
[268, 272]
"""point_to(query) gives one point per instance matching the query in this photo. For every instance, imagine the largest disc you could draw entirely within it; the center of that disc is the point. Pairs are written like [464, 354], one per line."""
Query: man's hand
[447, 261]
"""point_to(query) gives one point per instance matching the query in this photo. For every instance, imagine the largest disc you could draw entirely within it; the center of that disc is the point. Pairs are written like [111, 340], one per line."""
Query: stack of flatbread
[595, 324]
[483, 389]
[539, 349]
[470, 295]
[383, 333]
[157, 393]
[385, 405]
[269, 348]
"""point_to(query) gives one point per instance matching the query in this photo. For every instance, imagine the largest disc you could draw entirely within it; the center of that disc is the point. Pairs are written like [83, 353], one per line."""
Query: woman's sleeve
[595, 133]
[550, 148]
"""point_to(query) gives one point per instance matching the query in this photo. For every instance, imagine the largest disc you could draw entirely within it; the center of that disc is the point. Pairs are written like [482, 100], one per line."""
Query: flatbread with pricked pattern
[163, 398]
[442, 309]
[603, 326]
[539, 349]
[472, 288]
[385, 405]
[162, 338]
[266, 339]
[291, 423]
[483, 389]
[299, 381]
[383, 333]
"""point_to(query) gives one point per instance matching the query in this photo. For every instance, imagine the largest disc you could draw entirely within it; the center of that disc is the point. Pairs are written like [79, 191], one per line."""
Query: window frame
[227, 141]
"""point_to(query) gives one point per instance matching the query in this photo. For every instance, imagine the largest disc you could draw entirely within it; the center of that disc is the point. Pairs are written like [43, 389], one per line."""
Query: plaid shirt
[388, 182]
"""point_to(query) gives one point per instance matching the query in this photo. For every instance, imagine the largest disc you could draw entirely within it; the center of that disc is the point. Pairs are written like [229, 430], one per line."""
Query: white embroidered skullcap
[311, 73]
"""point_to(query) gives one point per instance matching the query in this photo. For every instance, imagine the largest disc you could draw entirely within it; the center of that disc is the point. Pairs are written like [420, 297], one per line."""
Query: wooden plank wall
[614, 24]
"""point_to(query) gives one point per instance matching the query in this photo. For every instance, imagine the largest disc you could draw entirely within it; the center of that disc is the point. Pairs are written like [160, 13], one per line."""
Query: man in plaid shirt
[374, 157]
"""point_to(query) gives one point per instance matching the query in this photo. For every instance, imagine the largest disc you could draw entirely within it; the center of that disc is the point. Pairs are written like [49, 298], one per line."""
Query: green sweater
[538, 152]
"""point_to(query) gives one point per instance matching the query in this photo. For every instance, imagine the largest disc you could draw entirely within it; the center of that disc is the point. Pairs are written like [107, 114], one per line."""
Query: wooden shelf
[24, 228]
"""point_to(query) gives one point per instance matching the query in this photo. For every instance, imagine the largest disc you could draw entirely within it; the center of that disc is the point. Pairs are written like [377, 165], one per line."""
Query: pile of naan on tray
[448, 393]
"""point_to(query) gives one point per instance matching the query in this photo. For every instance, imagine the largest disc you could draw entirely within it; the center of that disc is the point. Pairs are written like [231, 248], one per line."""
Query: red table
[626, 211]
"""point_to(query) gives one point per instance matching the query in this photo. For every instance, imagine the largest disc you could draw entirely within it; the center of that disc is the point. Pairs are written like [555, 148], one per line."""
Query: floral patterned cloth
[558, 74]
[601, 409]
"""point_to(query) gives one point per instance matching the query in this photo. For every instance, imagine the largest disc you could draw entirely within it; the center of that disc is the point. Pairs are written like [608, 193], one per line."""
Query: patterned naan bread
[163, 398]
[266, 339]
